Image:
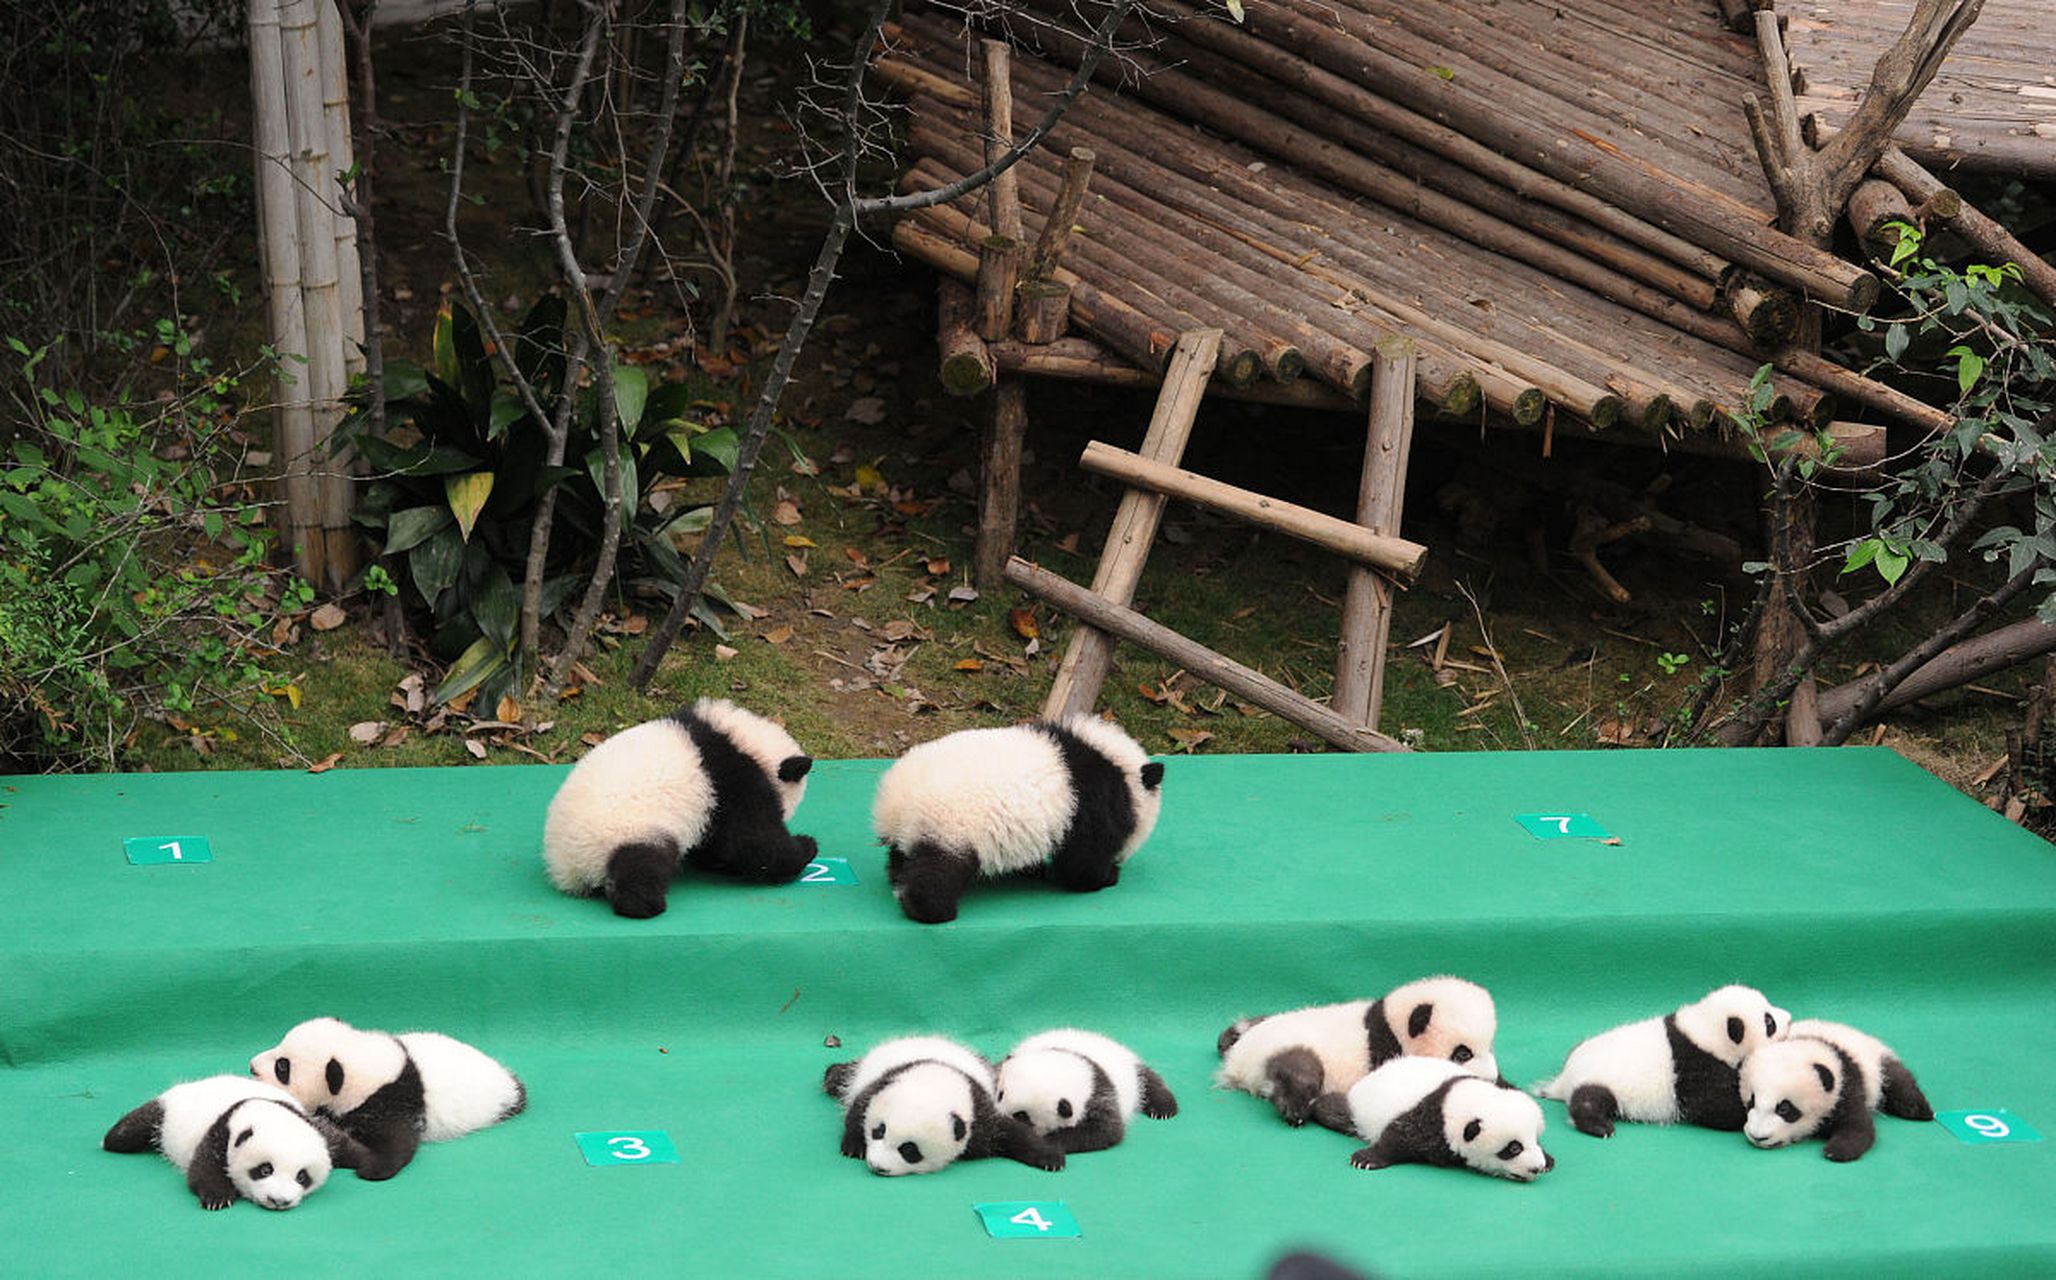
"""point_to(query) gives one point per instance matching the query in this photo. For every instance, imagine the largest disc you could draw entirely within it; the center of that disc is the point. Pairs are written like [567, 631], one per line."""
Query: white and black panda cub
[1079, 1089]
[921, 1103]
[1294, 1057]
[711, 787]
[391, 1092]
[1823, 1080]
[1679, 1068]
[1071, 799]
[1432, 1111]
[237, 1137]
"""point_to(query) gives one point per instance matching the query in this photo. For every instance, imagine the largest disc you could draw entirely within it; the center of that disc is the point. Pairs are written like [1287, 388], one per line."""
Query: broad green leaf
[442, 347]
[1890, 564]
[467, 495]
[631, 496]
[507, 408]
[408, 529]
[496, 607]
[719, 444]
[1969, 369]
[434, 564]
[631, 390]
[404, 380]
[1862, 554]
[1896, 342]
[483, 659]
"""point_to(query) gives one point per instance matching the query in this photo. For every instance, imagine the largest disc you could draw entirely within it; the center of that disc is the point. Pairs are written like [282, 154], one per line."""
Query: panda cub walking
[1076, 798]
[711, 787]
[1823, 1080]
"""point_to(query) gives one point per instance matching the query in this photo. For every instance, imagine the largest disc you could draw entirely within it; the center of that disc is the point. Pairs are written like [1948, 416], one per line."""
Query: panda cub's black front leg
[1296, 1077]
[1593, 1109]
[932, 882]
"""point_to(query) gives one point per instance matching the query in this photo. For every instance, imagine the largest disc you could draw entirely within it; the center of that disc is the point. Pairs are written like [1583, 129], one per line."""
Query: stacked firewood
[1550, 236]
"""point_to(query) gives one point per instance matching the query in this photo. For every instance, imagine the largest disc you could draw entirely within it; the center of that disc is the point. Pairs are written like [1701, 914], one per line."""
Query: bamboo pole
[1224, 673]
[335, 109]
[1367, 605]
[1090, 653]
[334, 554]
[1392, 554]
[285, 307]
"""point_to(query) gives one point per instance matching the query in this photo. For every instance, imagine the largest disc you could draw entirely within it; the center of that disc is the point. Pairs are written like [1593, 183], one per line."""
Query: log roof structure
[1992, 108]
[1558, 201]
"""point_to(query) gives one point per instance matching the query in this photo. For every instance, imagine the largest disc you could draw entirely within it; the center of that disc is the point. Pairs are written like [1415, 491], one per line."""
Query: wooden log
[1823, 372]
[1770, 316]
[1381, 551]
[1224, 673]
[1042, 310]
[999, 482]
[908, 78]
[1873, 207]
[1090, 653]
[966, 361]
[2028, 157]
[1081, 359]
[1959, 664]
[1735, 15]
[1381, 491]
[999, 270]
[1063, 215]
[1859, 449]
[999, 136]
[2035, 272]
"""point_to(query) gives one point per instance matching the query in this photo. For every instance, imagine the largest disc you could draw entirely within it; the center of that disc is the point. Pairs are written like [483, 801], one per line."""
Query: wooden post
[1063, 214]
[999, 119]
[1101, 617]
[999, 481]
[1340, 536]
[1043, 311]
[999, 269]
[1090, 653]
[1367, 606]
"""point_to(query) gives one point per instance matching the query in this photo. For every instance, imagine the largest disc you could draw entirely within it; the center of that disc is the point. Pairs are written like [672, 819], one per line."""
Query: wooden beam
[1340, 536]
[1085, 663]
[1367, 605]
[1104, 616]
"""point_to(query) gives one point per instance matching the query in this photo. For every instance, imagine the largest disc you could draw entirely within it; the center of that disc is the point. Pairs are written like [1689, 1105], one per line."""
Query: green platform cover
[1846, 883]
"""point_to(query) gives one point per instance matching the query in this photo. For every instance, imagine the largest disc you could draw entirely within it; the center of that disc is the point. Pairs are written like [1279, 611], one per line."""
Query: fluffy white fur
[930, 1104]
[282, 1137]
[1003, 793]
[1464, 1021]
[1046, 1069]
[1634, 1060]
[1504, 1116]
[647, 782]
[462, 1088]
[1783, 1071]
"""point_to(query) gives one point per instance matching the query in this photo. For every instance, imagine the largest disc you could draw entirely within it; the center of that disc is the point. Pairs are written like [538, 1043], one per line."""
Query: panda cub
[1079, 1089]
[1680, 1068]
[920, 1103]
[1432, 1111]
[1294, 1057]
[1823, 1080]
[234, 1137]
[1073, 799]
[711, 787]
[391, 1092]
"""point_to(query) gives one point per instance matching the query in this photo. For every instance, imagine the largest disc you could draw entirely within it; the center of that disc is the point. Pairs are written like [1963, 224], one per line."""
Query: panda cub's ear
[1418, 1021]
[1472, 1130]
[1152, 775]
[1827, 1077]
[793, 768]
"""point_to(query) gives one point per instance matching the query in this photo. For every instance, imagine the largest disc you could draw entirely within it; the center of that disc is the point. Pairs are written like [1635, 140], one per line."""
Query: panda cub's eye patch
[1511, 1149]
[261, 1172]
[283, 1069]
[1064, 1108]
[957, 1126]
[304, 1178]
[878, 1131]
[1462, 1053]
[910, 1153]
[1787, 1112]
[1770, 1025]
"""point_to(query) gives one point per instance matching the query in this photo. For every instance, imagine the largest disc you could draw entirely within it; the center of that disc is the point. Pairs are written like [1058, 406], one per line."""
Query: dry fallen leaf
[962, 594]
[969, 664]
[394, 736]
[1153, 693]
[786, 512]
[857, 557]
[938, 566]
[843, 455]
[898, 629]
[592, 739]
[722, 653]
[329, 616]
[778, 635]
[324, 764]
[1068, 544]
[869, 479]
[869, 410]
[798, 540]
[635, 624]
[366, 732]
[1190, 740]
[509, 710]
[475, 747]
[797, 562]
[1024, 623]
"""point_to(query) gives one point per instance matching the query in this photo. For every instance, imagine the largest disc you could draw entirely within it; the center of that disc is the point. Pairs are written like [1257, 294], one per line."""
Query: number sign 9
[1988, 1124]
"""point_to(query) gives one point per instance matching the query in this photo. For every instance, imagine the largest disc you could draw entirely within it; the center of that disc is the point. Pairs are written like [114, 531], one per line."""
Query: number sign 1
[1028, 1220]
[627, 1146]
[828, 871]
[146, 851]
[1558, 826]
[1990, 1124]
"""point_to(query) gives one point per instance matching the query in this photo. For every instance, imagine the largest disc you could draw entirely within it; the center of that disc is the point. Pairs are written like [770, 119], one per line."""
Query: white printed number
[1990, 1126]
[1563, 825]
[172, 845]
[1030, 1218]
[628, 1148]
[818, 873]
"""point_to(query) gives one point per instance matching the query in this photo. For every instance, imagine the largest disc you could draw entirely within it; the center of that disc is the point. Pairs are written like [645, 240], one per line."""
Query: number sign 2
[144, 851]
[627, 1146]
[828, 871]
[1028, 1220]
[1989, 1124]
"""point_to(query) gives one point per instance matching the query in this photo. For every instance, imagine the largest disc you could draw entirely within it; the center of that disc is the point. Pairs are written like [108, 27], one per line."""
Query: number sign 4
[1028, 1220]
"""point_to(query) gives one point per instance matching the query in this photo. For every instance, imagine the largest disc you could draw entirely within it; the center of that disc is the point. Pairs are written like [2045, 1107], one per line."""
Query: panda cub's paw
[213, 1203]
[1369, 1158]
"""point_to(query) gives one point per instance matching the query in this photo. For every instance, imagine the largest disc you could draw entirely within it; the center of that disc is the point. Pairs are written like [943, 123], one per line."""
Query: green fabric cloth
[1845, 883]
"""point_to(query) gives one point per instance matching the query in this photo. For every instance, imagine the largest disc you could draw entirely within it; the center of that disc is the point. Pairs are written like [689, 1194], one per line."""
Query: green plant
[129, 584]
[1672, 663]
[463, 464]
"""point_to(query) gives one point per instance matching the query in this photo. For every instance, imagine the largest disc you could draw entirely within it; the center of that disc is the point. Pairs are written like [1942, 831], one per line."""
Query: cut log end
[1606, 411]
[1769, 316]
[1241, 368]
[1461, 399]
[1655, 415]
[967, 373]
[1529, 406]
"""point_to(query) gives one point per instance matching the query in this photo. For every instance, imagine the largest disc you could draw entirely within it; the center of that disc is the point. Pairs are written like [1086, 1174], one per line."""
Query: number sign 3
[627, 1146]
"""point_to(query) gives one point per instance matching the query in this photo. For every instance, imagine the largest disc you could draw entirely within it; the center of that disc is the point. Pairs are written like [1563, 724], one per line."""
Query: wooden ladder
[1350, 720]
